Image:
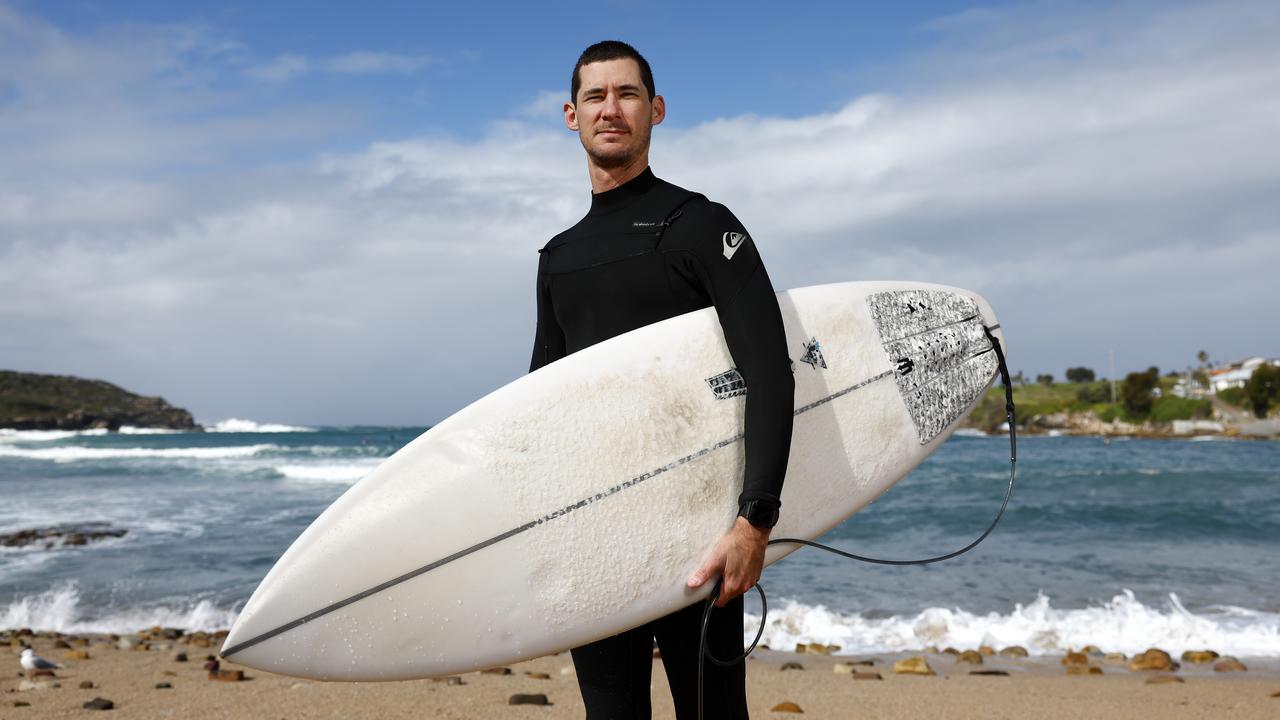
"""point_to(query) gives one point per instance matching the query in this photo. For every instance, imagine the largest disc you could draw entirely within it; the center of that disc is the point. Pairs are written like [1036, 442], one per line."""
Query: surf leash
[705, 652]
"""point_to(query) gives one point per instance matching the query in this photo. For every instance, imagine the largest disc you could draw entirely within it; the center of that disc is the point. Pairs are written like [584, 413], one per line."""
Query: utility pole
[1111, 354]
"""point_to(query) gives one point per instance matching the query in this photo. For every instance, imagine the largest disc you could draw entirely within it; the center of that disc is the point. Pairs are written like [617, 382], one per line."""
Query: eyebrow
[588, 91]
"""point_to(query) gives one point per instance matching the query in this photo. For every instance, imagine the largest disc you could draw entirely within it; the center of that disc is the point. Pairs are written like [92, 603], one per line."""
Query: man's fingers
[712, 567]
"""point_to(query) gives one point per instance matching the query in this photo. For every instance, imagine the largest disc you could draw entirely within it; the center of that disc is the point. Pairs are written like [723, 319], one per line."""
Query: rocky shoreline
[32, 401]
[158, 671]
[1088, 423]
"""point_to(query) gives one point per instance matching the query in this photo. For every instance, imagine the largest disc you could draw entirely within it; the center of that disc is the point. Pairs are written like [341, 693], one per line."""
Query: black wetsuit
[647, 251]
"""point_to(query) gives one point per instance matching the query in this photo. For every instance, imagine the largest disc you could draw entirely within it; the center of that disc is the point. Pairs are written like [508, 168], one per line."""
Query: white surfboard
[574, 502]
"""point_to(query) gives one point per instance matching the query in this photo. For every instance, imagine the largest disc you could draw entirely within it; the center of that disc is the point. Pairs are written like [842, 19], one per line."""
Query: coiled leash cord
[705, 652]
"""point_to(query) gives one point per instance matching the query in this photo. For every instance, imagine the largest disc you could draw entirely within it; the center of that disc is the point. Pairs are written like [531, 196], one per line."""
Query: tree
[1203, 357]
[1137, 392]
[1080, 375]
[1263, 388]
[1044, 379]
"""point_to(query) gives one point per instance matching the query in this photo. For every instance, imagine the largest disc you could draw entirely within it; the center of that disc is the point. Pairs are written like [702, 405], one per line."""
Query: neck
[603, 179]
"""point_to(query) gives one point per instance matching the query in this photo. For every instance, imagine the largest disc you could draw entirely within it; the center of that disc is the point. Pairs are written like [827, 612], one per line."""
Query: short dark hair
[610, 50]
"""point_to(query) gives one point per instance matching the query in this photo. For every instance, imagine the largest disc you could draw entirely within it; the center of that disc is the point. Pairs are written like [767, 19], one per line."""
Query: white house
[1235, 375]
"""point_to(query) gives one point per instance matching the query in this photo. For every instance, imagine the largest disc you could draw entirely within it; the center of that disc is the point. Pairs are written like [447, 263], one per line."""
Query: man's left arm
[726, 259]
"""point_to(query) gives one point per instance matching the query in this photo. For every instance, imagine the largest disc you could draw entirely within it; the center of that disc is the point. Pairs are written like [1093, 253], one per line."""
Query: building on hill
[1235, 375]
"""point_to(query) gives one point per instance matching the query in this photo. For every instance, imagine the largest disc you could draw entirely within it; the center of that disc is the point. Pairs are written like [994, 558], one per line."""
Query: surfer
[646, 251]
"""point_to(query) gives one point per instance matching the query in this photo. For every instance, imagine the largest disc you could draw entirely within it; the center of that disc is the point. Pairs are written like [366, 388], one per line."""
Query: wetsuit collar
[621, 196]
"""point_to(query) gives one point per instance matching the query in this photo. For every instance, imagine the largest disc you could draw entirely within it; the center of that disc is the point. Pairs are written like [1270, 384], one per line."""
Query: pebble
[1075, 658]
[1084, 670]
[21, 703]
[845, 668]
[568, 670]
[180, 657]
[538, 675]
[1014, 651]
[163, 686]
[973, 657]
[76, 655]
[986, 650]
[496, 671]
[990, 673]
[867, 676]
[1091, 650]
[86, 684]
[1199, 656]
[815, 648]
[450, 680]
[1229, 664]
[950, 651]
[99, 703]
[913, 666]
[787, 706]
[1153, 659]
[528, 699]
[791, 666]
[1164, 680]
[1116, 657]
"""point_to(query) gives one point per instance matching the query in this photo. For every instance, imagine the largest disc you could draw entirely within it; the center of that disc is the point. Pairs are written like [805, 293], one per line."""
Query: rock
[163, 686]
[950, 651]
[59, 535]
[1116, 657]
[1153, 659]
[568, 670]
[815, 648]
[1075, 658]
[496, 671]
[26, 685]
[1199, 656]
[913, 666]
[791, 666]
[1014, 651]
[62, 644]
[528, 699]
[932, 649]
[21, 703]
[1229, 664]
[125, 643]
[76, 655]
[86, 684]
[99, 703]
[1164, 680]
[844, 668]
[538, 675]
[1084, 670]
[180, 657]
[787, 706]
[45, 672]
[1091, 650]
[867, 676]
[973, 657]
[989, 673]
[449, 680]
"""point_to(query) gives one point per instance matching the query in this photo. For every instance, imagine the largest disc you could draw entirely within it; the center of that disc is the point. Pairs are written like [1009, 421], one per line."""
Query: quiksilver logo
[733, 241]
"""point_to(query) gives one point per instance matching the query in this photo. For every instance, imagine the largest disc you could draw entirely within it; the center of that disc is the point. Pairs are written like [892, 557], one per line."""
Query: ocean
[1126, 545]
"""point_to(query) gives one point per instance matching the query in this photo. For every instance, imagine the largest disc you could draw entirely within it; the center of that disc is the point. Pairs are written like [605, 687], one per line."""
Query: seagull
[32, 661]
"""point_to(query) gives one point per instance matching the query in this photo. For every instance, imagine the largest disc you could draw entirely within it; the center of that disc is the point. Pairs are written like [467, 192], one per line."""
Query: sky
[291, 212]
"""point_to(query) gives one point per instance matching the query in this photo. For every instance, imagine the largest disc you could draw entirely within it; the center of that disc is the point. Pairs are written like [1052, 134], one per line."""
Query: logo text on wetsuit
[733, 241]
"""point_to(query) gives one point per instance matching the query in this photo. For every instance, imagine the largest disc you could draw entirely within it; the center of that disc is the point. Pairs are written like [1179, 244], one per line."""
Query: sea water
[1127, 545]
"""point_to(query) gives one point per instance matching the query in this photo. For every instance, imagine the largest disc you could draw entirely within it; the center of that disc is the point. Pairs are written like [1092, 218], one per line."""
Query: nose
[610, 107]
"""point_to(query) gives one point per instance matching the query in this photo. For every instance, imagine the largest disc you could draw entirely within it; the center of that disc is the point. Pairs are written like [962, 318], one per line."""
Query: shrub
[1136, 392]
[1263, 388]
[1080, 375]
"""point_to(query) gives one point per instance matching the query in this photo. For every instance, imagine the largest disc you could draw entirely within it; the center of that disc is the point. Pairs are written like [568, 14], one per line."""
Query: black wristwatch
[759, 514]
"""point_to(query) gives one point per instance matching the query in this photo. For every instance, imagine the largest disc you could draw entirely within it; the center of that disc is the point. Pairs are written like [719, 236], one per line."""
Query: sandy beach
[133, 679]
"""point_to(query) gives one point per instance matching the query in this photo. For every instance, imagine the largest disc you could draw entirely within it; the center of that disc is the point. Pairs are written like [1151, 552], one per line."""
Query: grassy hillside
[31, 401]
[1038, 399]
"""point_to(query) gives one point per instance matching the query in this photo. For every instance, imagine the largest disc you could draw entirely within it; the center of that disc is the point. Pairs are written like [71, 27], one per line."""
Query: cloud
[1103, 188]
[546, 105]
[289, 66]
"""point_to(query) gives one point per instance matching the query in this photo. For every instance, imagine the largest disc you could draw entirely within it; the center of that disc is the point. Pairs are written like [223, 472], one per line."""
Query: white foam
[345, 473]
[1124, 624]
[58, 609]
[9, 435]
[72, 454]
[236, 425]
[969, 432]
[130, 430]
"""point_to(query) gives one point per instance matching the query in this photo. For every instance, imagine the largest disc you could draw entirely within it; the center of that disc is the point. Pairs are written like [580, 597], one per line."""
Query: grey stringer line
[531, 524]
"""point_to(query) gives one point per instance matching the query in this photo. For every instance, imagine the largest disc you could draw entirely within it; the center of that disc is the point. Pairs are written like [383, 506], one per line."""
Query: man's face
[613, 115]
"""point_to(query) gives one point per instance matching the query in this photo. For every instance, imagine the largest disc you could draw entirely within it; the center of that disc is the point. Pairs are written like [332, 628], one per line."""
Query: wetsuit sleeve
[734, 277]
[548, 339]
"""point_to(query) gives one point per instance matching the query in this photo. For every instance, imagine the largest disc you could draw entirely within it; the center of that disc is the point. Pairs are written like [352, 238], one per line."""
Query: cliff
[31, 401]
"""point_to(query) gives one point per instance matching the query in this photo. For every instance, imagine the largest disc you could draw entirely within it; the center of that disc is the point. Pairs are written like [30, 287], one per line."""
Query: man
[647, 251]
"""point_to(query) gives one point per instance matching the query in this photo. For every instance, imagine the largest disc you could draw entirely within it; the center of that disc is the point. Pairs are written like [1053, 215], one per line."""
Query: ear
[659, 109]
[570, 117]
